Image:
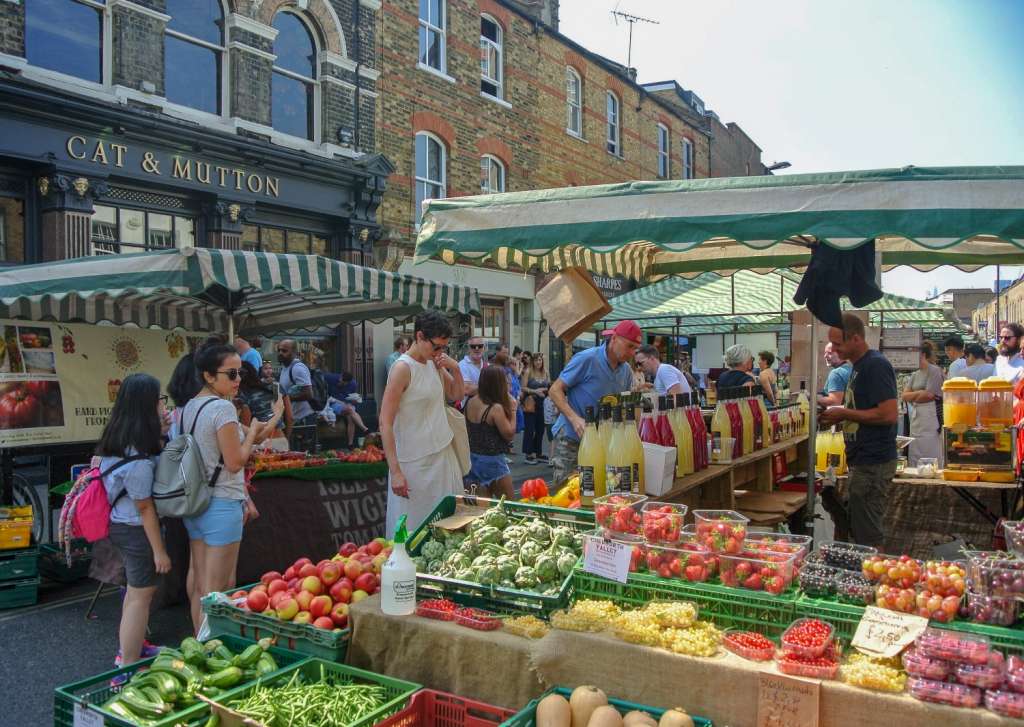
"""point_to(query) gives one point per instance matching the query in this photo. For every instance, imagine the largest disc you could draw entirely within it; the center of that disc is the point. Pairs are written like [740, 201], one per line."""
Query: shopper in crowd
[472, 364]
[1010, 364]
[667, 378]
[182, 387]
[131, 440]
[491, 423]
[401, 346]
[536, 383]
[343, 390]
[640, 382]
[954, 346]
[923, 396]
[740, 364]
[977, 367]
[248, 353]
[991, 354]
[686, 366]
[588, 377]
[869, 418]
[515, 386]
[225, 446]
[838, 378]
[259, 398]
[297, 383]
[267, 372]
[550, 416]
[516, 361]
[414, 428]
[766, 378]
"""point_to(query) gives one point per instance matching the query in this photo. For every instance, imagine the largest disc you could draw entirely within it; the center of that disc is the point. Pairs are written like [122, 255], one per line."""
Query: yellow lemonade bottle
[618, 462]
[721, 427]
[591, 462]
[683, 433]
[748, 419]
[766, 419]
[805, 409]
[636, 453]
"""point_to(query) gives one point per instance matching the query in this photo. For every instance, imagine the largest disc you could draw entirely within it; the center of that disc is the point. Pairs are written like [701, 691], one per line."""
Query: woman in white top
[923, 394]
[414, 428]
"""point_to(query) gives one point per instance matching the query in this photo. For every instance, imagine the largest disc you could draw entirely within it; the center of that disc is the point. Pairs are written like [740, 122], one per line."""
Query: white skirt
[924, 428]
[430, 478]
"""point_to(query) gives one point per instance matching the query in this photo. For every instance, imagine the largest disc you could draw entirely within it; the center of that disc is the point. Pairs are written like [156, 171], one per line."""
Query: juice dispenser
[960, 403]
[983, 447]
[995, 403]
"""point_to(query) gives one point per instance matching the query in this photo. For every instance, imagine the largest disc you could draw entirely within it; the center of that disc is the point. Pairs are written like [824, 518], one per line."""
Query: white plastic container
[398, 578]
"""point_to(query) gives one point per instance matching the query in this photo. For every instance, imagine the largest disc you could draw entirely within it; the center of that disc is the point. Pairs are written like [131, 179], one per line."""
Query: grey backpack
[180, 485]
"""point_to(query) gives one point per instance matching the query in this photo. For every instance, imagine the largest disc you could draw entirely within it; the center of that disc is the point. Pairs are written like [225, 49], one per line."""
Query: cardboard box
[571, 303]
[659, 469]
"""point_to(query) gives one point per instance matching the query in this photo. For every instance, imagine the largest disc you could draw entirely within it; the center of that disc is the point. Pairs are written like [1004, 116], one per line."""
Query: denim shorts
[487, 468]
[220, 524]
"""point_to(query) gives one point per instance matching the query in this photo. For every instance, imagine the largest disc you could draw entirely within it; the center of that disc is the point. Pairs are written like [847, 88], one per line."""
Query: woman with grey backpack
[225, 446]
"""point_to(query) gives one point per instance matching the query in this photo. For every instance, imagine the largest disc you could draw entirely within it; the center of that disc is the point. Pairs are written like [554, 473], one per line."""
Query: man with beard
[1010, 364]
[838, 378]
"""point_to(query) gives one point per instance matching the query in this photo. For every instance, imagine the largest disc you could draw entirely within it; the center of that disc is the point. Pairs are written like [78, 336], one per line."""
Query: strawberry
[754, 582]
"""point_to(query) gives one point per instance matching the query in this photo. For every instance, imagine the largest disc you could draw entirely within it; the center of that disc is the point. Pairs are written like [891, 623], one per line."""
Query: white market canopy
[202, 289]
[967, 217]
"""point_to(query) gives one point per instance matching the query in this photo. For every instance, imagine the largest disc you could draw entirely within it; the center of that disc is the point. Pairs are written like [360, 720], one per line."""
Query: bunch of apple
[319, 594]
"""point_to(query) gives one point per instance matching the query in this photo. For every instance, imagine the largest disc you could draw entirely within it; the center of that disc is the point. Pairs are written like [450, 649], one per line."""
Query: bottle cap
[617, 414]
[590, 415]
[401, 533]
[630, 414]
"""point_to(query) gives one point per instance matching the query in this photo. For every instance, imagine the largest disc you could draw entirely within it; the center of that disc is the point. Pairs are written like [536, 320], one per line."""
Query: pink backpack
[86, 510]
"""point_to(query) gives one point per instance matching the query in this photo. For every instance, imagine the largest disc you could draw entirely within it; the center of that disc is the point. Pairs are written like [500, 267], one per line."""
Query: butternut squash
[554, 711]
[675, 718]
[606, 716]
[636, 718]
[583, 701]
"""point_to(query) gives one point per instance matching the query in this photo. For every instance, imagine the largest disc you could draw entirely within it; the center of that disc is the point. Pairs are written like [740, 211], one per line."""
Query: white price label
[887, 633]
[607, 559]
[85, 717]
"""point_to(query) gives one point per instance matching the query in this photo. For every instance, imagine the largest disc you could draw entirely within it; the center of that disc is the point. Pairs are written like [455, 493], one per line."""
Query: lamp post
[776, 167]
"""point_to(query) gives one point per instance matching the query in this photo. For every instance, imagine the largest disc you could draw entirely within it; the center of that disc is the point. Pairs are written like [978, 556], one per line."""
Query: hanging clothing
[834, 273]
[925, 426]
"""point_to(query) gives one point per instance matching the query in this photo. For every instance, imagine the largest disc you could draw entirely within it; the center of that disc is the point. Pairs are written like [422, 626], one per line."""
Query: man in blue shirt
[248, 353]
[838, 378]
[954, 346]
[587, 378]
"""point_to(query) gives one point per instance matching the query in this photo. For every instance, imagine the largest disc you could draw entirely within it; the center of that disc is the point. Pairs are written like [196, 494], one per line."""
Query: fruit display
[1013, 531]
[993, 573]
[269, 461]
[937, 608]
[953, 646]
[896, 599]
[662, 522]
[619, 515]
[880, 675]
[816, 667]
[537, 491]
[1015, 674]
[854, 588]
[588, 706]
[983, 676]
[945, 578]
[900, 572]
[1005, 703]
[919, 665]
[586, 615]
[818, 580]
[784, 543]
[846, 555]
[955, 695]
[499, 548]
[769, 572]
[720, 531]
[439, 609]
[534, 490]
[175, 678]
[749, 644]
[477, 618]
[529, 627]
[992, 610]
[808, 637]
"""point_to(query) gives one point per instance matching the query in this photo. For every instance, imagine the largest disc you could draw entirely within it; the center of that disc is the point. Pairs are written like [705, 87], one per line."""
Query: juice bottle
[618, 464]
[757, 422]
[700, 435]
[683, 434]
[605, 427]
[837, 453]
[636, 453]
[743, 404]
[776, 427]
[721, 422]
[821, 445]
[767, 436]
[732, 408]
[591, 462]
[805, 409]
[666, 437]
[648, 428]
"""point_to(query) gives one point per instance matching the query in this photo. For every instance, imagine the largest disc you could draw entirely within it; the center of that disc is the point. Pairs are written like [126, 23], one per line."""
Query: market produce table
[963, 489]
[508, 671]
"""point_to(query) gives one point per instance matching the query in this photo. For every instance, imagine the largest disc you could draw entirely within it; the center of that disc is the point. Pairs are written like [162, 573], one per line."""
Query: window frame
[223, 71]
[577, 107]
[493, 161]
[145, 246]
[664, 152]
[105, 46]
[442, 33]
[613, 129]
[314, 82]
[687, 158]
[499, 49]
[417, 179]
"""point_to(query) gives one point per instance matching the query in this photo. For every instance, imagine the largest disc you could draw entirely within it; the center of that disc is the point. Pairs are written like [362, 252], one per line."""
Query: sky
[833, 85]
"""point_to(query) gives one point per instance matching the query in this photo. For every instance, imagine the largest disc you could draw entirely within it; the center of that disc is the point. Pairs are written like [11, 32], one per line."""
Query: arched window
[614, 132]
[663, 151]
[430, 170]
[66, 36]
[491, 57]
[194, 54]
[492, 175]
[294, 78]
[573, 102]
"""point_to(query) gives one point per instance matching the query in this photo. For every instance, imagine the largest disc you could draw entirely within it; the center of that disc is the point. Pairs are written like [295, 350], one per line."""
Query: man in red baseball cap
[588, 377]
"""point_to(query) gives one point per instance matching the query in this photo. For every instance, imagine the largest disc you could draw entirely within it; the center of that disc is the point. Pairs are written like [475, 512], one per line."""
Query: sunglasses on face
[439, 346]
[476, 346]
[232, 374]
[1006, 338]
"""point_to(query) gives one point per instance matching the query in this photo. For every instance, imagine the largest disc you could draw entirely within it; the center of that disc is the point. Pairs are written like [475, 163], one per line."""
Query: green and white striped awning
[967, 217]
[201, 289]
[748, 302]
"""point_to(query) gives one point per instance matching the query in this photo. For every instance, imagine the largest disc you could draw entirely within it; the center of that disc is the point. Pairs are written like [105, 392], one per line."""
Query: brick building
[131, 125]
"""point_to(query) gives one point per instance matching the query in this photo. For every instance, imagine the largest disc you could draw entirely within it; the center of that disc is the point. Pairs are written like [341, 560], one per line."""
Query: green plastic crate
[97, 689]
[397, 692]
[525, 716]
[303, 638]
[844, 617]
[726, 607]
[19, 564]
[497, 598]
[22, 592]
[54, 566]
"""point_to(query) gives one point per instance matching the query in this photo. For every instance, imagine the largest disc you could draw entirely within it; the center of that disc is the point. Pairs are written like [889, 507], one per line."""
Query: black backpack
[319, 386]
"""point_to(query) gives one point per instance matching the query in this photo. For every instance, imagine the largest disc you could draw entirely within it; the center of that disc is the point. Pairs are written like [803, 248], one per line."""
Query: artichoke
[488, 575]
[563, 536]
[458, 561]
[546, 568]
[495, 518]
[466, 574]
[433, 550]
[513, 534]
[435, 566]
[539, 531]
[469, 548]
[526, 577]
[483, 560]
[421, 563]
[529, 552]
[487, 534]
[507, 565]
[566, 562]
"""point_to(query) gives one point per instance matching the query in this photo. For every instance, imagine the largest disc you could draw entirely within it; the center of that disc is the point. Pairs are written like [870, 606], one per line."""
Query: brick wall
[250, 86]
[733, 153]
[12, 29]
[138, 49]
[542, 154]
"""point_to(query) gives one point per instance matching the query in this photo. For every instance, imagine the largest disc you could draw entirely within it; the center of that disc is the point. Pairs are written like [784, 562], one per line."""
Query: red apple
[277, 586]
[341, 592]
[330, 574]
[347, 549]
[313, 585]
[301, 562]
[287, 609]
[238, 594]
[257, 601]
[293, 584]
[289, 573]
[353, 569]
[321, 564]
[321, 606]
[307, 570]
[278, 598]
[378, 563]
[259, 587]
[358, 596]
[366, 582]
[305, 598]
[374, 547]
[338, 559]
[339, 615]
[325, 623]
[345, 580]
[270, 575]
[303, 617]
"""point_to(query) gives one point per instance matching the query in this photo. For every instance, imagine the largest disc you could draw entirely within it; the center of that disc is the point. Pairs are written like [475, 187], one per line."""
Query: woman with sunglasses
[414, 428]
[225, 445]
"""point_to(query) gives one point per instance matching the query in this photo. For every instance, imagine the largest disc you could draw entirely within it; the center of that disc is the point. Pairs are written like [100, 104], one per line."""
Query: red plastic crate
[440, 709]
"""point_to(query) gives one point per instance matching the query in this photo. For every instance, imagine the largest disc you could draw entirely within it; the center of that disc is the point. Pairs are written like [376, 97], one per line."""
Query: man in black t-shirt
[868, 416]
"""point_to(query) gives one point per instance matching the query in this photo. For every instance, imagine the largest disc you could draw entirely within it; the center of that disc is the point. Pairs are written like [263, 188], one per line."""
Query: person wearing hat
[588, 377]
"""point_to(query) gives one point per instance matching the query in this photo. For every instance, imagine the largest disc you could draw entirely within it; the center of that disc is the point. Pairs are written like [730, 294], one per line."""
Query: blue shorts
[220, 524]
[486, 468]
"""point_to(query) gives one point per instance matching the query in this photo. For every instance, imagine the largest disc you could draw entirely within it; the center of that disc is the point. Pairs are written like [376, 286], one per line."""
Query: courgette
[224, 678]
[266, 664]
[211, 692]
[223, 652]
[177, 668]
[213, 664]
[214, 720]
[248, 657]
[137, 701]
[119, 709]
[211, 645]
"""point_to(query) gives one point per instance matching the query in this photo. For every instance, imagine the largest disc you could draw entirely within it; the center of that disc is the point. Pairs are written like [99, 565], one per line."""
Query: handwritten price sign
[784, 701]
[607, 558]
[886, 633]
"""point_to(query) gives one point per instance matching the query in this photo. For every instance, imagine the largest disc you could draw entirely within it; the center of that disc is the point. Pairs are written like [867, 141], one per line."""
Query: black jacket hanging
[834, 273]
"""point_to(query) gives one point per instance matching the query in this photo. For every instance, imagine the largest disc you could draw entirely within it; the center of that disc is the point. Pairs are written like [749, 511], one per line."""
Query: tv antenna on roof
[632, 20]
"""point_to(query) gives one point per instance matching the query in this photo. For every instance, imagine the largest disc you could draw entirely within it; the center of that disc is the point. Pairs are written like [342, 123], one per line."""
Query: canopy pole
[999, 327]
[231, 330]
[812, 429]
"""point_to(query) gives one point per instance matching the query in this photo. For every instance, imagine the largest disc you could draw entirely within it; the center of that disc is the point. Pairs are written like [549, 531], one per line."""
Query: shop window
[193, 54]
[432, 34]
[687, 159]
[430, 170]
[614, 145]
[294, 78]
[663, 151]
[491, 57]
[278, 240]
[66, 36]
[298, 242]
[573, 102]
[489, 324]
[12, 230]
[122, 230]
[492, 175]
